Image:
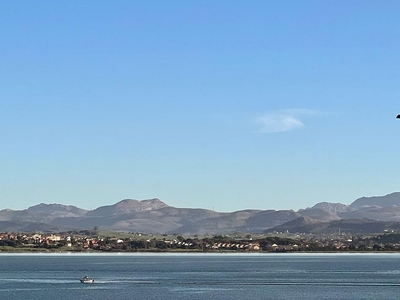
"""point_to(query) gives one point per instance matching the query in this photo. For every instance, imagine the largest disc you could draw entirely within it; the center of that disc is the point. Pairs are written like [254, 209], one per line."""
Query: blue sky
[224, 105]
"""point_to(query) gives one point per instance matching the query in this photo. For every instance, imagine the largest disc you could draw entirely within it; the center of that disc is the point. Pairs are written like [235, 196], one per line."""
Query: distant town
[96, 241]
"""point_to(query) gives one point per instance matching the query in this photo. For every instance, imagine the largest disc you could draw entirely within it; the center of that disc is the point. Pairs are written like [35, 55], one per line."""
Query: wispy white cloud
[283, 120]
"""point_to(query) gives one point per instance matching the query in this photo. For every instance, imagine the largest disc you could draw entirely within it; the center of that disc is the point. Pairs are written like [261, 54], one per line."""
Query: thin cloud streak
[283, 120]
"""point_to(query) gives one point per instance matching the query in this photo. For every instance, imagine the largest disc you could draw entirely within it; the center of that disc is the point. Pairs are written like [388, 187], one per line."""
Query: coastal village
[90, 241]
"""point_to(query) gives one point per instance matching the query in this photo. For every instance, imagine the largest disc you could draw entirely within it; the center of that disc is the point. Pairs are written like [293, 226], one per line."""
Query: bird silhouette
[398, 117]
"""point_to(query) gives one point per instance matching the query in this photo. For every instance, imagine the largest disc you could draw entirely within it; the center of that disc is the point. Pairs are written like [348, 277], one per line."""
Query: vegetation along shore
[98, 241]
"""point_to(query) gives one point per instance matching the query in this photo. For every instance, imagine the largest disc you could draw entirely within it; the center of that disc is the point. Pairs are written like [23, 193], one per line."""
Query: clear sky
[210, 104]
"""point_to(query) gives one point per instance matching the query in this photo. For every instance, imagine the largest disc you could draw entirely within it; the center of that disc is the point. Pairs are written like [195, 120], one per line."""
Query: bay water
[200, 276]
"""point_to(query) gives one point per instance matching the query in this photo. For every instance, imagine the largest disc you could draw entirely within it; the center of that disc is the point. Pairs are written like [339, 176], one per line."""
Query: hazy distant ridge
[155, 216]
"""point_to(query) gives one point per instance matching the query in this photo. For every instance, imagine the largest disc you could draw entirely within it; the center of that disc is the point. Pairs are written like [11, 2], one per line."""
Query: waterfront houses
[91, 241]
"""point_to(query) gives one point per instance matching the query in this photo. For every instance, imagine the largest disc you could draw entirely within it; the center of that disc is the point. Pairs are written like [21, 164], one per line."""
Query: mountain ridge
[155, 216]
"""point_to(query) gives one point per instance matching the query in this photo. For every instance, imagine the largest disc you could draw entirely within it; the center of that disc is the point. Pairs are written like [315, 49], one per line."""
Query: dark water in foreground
[212, 276]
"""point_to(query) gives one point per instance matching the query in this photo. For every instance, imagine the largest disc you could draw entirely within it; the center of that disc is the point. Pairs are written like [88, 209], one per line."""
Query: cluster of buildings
[89, 241]
[243, 245]
[40, 240]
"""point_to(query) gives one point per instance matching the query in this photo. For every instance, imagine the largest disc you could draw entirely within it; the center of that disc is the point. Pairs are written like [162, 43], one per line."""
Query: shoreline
[247, 253]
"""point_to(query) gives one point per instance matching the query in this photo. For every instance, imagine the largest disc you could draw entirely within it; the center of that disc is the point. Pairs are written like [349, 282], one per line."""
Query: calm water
[185, 276]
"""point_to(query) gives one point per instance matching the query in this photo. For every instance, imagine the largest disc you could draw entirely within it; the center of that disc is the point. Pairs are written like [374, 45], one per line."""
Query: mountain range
[364, 215]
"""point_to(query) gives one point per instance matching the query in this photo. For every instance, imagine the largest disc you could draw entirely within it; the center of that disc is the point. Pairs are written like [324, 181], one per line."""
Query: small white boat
[86, 279]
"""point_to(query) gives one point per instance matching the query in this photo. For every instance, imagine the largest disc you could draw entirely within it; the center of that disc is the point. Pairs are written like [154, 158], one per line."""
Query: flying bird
[398, 117]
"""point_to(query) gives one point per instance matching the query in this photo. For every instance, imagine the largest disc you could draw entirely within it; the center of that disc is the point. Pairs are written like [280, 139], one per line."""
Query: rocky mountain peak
[128, 206]
[334, 207]
[389, 200]
[58, 209]
[143, 205]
